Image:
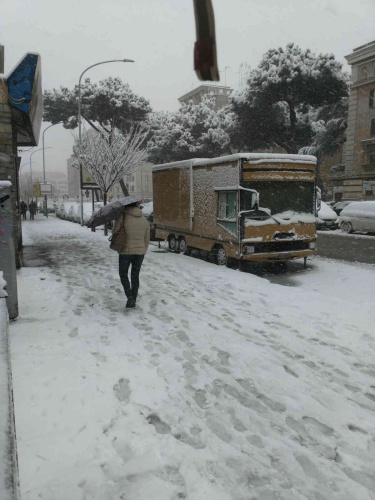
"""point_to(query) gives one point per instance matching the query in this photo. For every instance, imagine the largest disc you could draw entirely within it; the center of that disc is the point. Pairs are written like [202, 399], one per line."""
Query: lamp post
[44, 168]
[19, 173]
[79, 125]
[31, 174]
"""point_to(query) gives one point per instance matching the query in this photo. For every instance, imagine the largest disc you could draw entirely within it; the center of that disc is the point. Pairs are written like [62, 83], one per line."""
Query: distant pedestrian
[23, 208]
[32, 209]
[133, 230]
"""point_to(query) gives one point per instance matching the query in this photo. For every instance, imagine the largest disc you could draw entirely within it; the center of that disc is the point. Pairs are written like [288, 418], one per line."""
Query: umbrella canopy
[111, 211]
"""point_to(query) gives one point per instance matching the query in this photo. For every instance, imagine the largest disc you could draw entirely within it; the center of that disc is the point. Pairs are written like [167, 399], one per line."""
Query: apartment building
[220, 93]
[138, 184]
[354, 176]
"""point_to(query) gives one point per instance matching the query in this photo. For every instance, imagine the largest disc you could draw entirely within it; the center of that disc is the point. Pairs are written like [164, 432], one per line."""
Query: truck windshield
[281, 197]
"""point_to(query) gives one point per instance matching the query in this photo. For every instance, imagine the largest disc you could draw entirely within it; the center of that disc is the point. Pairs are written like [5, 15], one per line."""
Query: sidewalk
[220, 385]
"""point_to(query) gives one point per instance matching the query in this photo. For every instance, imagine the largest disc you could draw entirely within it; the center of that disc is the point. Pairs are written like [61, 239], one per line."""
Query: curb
[9, 475]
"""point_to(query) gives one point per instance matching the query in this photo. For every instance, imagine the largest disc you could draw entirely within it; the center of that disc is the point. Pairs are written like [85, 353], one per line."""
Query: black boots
[130, 303]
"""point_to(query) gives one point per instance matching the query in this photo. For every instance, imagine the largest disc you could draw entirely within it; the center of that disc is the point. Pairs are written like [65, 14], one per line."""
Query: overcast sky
[159, 35]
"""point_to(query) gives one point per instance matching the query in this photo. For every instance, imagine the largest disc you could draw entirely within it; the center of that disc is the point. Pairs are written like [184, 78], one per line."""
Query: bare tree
[26, 189]
[109, 158]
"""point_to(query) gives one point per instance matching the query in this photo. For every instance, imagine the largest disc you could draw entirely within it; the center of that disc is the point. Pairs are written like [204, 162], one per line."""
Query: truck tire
[221, 256]
[182, 245]
[172, 243]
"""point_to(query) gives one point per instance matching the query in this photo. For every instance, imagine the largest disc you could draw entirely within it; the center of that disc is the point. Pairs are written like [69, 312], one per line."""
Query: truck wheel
[221, 257]
[182, 245]
[172, 243]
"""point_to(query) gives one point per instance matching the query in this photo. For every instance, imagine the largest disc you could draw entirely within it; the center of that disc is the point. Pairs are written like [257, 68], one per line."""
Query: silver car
[358, 216]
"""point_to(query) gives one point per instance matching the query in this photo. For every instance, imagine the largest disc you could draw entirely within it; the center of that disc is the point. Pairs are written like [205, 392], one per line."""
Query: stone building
[138, 184]
[220, 93]
[354, 176]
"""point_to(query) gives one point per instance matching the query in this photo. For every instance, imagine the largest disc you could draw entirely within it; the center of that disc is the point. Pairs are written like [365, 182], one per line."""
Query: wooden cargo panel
[171, 192]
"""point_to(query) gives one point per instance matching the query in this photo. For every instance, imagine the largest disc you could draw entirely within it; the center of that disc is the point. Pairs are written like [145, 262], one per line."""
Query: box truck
[246, 206]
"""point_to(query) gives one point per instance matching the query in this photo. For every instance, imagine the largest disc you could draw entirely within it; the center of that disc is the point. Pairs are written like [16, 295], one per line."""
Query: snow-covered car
[58, 209]
[358, 216]
[340, 205]
[148, 212]
[148, 209]
[51, 206]
[327, 218]
[75, 211]
[64, 209]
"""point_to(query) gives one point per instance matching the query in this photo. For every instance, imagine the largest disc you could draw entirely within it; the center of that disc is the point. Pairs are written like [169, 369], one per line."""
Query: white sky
[159, 36]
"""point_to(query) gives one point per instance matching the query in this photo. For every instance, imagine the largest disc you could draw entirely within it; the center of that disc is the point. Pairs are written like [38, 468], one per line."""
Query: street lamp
[31, 173]
[44, 168]
[79, 124]
[19, 173]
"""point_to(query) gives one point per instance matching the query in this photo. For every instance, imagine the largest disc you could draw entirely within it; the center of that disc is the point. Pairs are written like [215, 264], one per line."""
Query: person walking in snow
[32, 209]
[135, 237]
[23, 208]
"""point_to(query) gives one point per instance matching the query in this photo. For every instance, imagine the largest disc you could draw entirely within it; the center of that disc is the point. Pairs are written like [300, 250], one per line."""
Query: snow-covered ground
[220, 385]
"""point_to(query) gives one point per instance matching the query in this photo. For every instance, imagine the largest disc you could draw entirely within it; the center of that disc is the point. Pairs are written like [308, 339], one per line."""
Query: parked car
[148, 212]
[64, 209]
[358, 216]
[340, 205]
[75, 211]
[330, 203]
[51, 206]
[148, 209]
[327, 218]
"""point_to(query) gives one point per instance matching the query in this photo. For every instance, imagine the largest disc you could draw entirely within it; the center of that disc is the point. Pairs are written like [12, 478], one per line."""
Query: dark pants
[131, 290]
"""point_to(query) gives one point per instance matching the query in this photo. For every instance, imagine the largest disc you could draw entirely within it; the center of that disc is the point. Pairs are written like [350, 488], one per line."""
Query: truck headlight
[312, 245]
[248, 249]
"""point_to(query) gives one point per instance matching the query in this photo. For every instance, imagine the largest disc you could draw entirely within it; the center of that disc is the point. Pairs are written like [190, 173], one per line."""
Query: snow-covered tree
[329, 124]
[195, 130]
[105, 106]
[108, 161]
[275, 108]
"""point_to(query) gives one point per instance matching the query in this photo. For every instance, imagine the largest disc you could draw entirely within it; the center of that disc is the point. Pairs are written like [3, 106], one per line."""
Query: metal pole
[40, 149]
[44, 168]
[79, 125]
[31, 180]
[44, 179]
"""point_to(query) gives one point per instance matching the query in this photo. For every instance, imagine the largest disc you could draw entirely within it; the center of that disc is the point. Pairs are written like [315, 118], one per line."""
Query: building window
[372, 159]
[372, 130]
[371, 99]
[132, 189]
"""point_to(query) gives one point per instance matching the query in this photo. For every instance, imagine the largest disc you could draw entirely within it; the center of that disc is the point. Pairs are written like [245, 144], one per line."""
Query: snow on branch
[109, 158]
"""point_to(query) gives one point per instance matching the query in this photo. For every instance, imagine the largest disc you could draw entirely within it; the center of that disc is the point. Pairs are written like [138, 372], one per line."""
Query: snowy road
[220, 385]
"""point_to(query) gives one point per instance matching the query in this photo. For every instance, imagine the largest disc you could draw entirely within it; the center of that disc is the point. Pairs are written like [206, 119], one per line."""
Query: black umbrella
[111, 211]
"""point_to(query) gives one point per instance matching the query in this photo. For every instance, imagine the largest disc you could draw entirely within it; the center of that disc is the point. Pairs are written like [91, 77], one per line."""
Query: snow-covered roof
[198, 162]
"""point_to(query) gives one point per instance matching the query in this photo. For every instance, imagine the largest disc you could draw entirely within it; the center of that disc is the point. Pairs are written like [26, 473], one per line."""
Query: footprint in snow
[122, 390]
[160, 426]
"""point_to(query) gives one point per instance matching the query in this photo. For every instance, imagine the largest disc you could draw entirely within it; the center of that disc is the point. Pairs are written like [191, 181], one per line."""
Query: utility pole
[2, 59]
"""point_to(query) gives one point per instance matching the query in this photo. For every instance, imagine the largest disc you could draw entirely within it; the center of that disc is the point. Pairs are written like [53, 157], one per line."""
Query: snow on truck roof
[261, 157]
